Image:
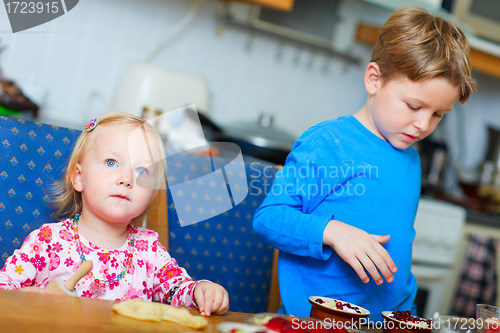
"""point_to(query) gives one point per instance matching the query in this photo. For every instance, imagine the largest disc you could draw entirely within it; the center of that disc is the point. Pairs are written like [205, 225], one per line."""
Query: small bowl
[325, 311]
[392, 325]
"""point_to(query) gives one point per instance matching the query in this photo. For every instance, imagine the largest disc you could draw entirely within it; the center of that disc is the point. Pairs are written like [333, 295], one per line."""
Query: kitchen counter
[484, 219]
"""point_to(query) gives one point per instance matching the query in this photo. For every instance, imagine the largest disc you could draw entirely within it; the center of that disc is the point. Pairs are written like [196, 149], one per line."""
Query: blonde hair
[68, 201]
[420, 46]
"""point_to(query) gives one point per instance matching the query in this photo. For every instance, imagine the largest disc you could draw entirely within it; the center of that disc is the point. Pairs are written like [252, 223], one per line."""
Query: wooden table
[34, 312]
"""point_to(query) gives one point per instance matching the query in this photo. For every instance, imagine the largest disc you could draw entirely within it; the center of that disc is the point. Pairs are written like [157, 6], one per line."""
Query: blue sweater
[340, 170]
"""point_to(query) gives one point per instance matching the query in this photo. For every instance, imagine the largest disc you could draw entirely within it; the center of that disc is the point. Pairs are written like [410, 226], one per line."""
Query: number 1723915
[31, 7]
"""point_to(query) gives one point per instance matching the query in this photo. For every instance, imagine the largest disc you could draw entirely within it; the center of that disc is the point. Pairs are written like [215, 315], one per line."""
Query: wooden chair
[159, 218]
[274, 292]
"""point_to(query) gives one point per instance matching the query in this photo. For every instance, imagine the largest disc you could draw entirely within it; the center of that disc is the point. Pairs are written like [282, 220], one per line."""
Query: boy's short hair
[420, 46]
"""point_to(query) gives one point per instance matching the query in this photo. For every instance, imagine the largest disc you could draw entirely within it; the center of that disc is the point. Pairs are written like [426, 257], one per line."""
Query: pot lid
[261, 133]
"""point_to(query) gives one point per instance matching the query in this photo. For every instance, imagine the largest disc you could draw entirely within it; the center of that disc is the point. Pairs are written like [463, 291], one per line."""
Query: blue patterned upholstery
[32, 155]
[223, 249]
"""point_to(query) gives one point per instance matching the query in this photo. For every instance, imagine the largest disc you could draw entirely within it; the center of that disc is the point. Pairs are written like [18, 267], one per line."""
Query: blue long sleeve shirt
[340, 170]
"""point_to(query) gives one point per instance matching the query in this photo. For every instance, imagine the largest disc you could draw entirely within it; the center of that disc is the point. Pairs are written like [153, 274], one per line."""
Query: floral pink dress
[51, 251]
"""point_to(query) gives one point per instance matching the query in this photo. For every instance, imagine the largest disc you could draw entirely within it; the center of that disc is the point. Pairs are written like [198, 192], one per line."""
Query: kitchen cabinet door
[285, 5]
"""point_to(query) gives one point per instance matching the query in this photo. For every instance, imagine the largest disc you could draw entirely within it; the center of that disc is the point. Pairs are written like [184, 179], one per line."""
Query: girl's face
[116, 157]
[404, 111]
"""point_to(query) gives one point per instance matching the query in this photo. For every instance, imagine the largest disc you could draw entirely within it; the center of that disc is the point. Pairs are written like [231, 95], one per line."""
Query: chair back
[224, 248]
[32, 156]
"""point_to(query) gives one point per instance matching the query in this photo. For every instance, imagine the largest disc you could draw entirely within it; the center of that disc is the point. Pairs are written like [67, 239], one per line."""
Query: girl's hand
[211, 298]
[34, 290]
[360, 249]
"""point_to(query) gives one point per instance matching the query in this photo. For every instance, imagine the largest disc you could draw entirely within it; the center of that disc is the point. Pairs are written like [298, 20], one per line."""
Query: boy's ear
[77, 178]
[372, 78]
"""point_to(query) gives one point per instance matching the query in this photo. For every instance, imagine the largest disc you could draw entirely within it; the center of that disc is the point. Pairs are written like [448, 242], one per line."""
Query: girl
[113, 174]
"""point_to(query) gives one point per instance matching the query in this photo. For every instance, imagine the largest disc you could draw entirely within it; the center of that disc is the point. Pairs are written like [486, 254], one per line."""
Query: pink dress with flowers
[51, 251]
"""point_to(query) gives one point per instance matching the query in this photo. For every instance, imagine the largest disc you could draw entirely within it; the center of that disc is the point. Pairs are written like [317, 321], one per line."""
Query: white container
[145, 85]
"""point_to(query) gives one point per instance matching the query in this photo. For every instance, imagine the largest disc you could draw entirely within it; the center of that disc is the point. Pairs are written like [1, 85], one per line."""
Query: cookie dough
[138, 309]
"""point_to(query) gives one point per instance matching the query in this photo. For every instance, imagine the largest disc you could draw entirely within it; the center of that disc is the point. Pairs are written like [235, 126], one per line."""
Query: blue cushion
[32, 155]
[224, 248]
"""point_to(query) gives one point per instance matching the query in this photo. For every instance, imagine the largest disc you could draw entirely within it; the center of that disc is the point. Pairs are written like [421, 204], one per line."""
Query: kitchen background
[63, 61]
[72, 66]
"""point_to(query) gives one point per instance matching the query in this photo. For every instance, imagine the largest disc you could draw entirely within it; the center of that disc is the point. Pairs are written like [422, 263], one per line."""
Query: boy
[345, 201]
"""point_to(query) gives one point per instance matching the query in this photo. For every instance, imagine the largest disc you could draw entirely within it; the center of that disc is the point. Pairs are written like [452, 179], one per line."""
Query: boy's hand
[211, 298]
[360, 249]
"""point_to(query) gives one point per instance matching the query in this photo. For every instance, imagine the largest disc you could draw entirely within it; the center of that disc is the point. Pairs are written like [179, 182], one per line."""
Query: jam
[294, 324]
[406, 317]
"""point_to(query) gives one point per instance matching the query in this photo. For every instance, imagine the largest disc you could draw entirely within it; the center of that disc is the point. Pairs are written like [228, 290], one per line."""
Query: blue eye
[111, 163]
[413, 107]
[142, 171]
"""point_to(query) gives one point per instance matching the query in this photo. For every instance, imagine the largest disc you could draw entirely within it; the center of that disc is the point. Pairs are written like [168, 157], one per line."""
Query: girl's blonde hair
[68, 201]
[420, 46]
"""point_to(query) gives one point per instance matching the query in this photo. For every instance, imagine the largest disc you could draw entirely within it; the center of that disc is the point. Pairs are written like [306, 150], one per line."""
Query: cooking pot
[260, 139]
[489, 184]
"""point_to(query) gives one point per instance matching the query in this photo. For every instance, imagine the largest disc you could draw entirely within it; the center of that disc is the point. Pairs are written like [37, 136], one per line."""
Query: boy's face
[405, 111]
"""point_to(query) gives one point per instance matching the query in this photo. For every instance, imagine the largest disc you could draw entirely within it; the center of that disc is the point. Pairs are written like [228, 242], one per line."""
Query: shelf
[284, 5]
[326, 51]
